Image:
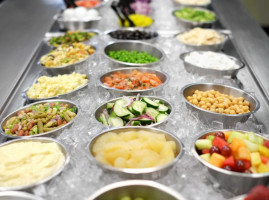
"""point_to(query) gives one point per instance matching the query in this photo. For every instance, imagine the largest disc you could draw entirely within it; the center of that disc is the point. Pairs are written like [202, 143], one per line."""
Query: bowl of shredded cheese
[202, 39]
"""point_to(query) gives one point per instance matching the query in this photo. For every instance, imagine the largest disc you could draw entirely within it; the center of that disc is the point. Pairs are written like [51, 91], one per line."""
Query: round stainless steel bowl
[54, 174]
[151, 40]
[140, 173]
[99, 110]
[195, 69]
[235, 182]
[134, 45]
[15, 195]
[212, 47]
[136, 188]
[187, 24]
[65, 95]
[53, 133]
[228, 120]
[161, 75]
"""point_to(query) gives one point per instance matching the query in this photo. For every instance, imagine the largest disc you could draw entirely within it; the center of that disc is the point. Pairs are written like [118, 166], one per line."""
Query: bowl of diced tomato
[133, 80]
[238, 160]
[90, 3]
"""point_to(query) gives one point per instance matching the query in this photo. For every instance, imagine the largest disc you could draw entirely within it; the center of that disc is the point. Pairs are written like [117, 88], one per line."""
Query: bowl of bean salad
[133, 53]
[43, 118]
[222, 103]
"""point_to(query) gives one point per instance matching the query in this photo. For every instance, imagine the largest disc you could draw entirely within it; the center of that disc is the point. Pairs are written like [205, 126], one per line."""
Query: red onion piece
[128, 101]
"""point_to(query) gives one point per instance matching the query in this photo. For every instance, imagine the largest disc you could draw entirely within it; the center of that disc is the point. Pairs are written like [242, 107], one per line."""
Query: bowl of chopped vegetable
[133, 53]
[54, 39]
[190, 17]
[133, 80]
[136, 190]
[44, 118]
[222, 103]
[134, 111]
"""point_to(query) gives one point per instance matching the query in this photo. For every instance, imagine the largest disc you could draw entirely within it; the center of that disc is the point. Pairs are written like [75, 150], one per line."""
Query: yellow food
[66, 54]
[134, 149]
[193, 2]
[139, 20]
[56, 85]
[200, 36]
[24, 163]
[215, 101]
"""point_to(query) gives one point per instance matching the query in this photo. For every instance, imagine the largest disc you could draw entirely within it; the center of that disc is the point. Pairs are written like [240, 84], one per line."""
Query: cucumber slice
[150, 103]
[152, 112]
[135, 123]
[109, 106]
[162, 108]
[113, 114]
[103, 119]
[145, 121]
[131, 115]
[131, 109]
[119, 110]
[158, 101]
[161, 117]
[115, 121]
[139, 107]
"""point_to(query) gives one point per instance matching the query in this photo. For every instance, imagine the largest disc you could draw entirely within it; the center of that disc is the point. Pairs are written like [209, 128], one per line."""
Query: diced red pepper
[230, 161]
[219, 142]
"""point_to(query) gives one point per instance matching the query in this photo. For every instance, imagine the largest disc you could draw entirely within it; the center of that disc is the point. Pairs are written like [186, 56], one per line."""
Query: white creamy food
[193, 2]
[27, 162]
[211, 60]
[80, 14]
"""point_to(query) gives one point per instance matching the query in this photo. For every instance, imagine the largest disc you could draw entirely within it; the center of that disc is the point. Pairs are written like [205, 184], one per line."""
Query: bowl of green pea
[190, 17]
[133, 54]
[44, 118]
[136, 190]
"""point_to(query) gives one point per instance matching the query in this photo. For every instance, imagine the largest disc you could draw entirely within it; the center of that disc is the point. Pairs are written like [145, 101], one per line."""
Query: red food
[264, 159]
[266, 143]
[247, 164]
[230, 161]
[259, 192]
[225, 150]
[88, 3]
[220, 134]
[214, 149]
[219, 142]
[205, 151]
[240, 166]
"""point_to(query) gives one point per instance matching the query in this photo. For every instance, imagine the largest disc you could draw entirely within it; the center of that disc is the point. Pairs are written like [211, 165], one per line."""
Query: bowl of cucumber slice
[134, 111]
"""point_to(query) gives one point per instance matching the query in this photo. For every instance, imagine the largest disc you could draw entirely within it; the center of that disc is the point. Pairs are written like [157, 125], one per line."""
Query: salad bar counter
[180, 104]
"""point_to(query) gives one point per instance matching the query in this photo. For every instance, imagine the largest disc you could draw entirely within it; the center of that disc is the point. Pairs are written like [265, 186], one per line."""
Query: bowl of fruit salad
[136, 152]
[238, 160]
[135, 190]
[134, 111]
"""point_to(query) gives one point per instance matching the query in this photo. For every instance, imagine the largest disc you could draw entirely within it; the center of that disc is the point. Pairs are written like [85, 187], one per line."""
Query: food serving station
[27, 26]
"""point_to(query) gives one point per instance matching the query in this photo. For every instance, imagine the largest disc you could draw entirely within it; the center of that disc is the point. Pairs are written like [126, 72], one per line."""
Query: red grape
[214, 149]
[240, 166]
[226, 150]
[227, 167]
[220, 134]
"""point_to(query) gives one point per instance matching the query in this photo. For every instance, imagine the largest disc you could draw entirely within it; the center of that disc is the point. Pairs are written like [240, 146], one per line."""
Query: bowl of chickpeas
[215, 102]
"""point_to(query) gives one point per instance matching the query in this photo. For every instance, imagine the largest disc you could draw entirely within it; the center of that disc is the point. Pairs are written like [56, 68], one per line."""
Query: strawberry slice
[219, 142]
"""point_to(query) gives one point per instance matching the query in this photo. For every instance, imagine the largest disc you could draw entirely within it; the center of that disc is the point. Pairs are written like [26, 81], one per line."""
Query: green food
[132, 56]
[195, 15]
[40, 118]
[71, 37]
[129, 198]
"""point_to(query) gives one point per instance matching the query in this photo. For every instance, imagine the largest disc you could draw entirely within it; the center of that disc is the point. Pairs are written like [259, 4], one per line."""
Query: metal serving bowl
[15, 195]
[50, 35]
[187, 24]
[134, 45]
[228, 120]
[99, 110]
[53, 133]
[136, 188]
[151, 40]
[212, 47]
[235, 182]
[195, 69]
[54, 174]
[190, 5]
[66, 95]
[75, 25]
[140, 173]
[161, 75]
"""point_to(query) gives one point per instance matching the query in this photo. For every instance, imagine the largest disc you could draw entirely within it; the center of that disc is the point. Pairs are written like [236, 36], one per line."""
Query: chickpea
[202, 103]
[195, 101]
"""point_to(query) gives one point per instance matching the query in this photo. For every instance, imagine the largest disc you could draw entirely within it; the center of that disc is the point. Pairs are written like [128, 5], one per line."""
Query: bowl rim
[220, 170]
[133, 68]
[241, 63]
[132, 29]
[226, 38]
[45, 134]
[20, 194]
[148, 96]
[53, 175]
[163, 55]
[193, 5]
[24, 92]
[99, 5]
[137, 171]
[147, 183]
[195, 8]
[257, 105]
